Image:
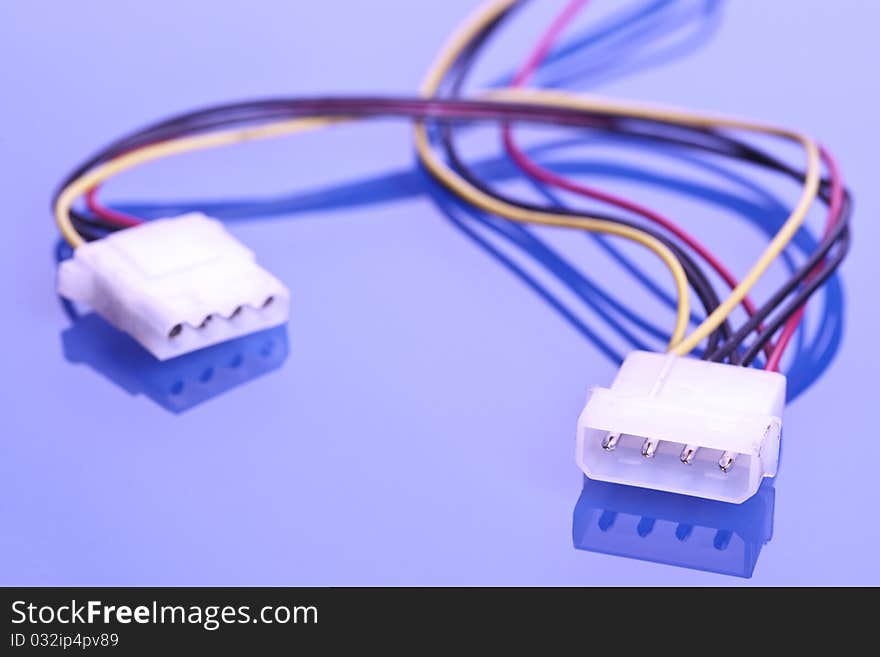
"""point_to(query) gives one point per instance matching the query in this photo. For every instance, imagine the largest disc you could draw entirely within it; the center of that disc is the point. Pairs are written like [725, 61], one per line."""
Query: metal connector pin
[688, 454]
[610, 442]
[726, 461]
[676, 416]
[649, 447]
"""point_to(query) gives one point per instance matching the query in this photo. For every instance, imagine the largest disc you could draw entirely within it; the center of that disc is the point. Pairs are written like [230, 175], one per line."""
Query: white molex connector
[175, 285]
[685, 426]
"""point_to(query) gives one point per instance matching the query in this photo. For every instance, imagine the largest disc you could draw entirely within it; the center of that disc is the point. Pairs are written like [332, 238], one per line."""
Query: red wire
[109, 214]
[542, 48]
[548, 177]
[835, 207]
[538, 54]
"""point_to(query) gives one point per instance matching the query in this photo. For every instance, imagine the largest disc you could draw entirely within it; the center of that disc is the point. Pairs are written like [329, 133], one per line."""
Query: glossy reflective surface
[180, 383]
[421, 428]
[674, 529]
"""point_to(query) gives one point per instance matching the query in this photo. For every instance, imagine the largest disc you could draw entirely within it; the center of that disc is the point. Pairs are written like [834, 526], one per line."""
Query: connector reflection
[677, 530]
[180, 383]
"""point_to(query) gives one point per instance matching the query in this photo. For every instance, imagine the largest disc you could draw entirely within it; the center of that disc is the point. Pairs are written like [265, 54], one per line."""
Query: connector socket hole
[268, 301]
[206, 375]
[176, 330]
[237, 311]
[206, 321]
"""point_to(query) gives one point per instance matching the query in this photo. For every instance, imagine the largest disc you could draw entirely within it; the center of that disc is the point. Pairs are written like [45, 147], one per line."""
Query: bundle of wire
[440, 109]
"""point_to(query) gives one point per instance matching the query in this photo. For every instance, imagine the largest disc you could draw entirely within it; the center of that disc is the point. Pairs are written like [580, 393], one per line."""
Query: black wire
[245, 113]
[454, 81]
[242, 113]
[797, 301]
[663, 133]
[696, 277]
[712, 141]
[840, 236]
[89, 228]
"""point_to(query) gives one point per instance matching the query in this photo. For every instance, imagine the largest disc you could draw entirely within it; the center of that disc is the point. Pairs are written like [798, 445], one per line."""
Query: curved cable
[546, 176]
[514, 109]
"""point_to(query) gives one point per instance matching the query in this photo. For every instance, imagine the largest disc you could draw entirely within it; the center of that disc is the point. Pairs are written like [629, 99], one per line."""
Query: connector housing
[175, 285]
[685, 426]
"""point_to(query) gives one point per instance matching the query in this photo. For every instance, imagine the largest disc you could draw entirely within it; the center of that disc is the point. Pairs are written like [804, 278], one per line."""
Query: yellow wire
[519, 214]
[164, 149]
[462, 188]
[779, 241]
[227, 137]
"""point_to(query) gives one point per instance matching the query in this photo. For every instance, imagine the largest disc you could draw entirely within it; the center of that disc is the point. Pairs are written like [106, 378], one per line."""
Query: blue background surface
[414, 424]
